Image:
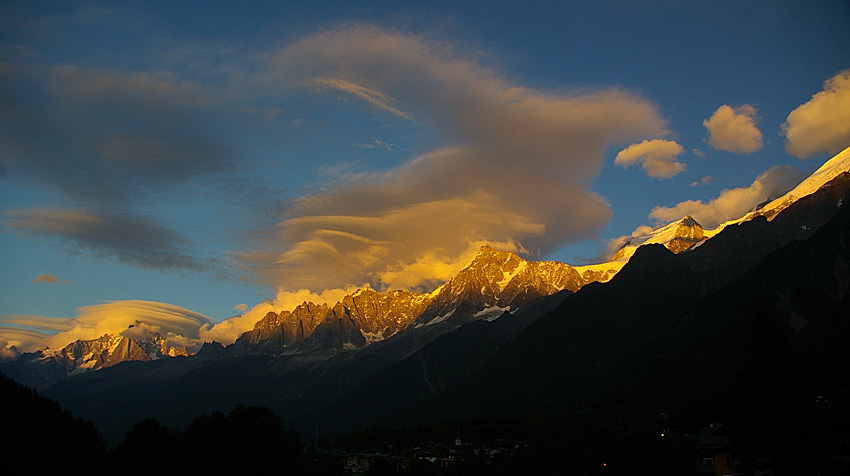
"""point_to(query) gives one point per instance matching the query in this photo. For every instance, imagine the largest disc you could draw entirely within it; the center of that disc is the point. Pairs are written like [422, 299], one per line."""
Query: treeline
[40, 437]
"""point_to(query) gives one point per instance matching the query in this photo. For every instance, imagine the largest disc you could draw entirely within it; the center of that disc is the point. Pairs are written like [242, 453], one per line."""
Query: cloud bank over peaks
[180, 326]
[823, 123]
[729, 205]
[733, 203]
[227, 331]
[515, 167]
[734, 129]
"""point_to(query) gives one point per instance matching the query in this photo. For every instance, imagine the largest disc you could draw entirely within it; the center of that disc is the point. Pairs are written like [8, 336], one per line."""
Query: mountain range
[694, 323]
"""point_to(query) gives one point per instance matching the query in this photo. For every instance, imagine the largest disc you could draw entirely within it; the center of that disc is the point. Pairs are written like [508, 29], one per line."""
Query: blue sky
[210, 155]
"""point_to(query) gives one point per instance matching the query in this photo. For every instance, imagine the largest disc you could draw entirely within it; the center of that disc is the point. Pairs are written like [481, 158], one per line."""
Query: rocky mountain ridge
[45, 366]
[491, 283]
[466, 355]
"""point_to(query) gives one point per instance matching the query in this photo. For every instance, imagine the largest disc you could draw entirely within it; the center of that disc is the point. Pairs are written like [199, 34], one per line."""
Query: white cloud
[657, 157]
[823, 123]
[734, 130]
[733, 203]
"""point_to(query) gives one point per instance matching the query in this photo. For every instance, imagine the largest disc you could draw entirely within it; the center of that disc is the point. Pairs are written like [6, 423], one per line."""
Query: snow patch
[372, 337]
[508, 275]
[491, 313]
[441, 318]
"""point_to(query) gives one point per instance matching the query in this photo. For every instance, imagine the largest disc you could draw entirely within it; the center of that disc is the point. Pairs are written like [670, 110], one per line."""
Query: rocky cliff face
[687, 234]
[276, 333]
[361, 318]
[497, 281]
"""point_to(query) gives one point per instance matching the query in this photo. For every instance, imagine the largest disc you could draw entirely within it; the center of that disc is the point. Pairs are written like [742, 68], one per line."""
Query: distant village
[711, 451]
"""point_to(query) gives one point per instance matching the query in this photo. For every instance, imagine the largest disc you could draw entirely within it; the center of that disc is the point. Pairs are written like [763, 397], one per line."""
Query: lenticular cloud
[515, 168]
[115, 317]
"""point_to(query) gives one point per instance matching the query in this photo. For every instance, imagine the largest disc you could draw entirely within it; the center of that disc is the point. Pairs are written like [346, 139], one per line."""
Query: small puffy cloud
[734, 129]
[657, 157]
[50, 279]
[227, 331]
[705, 181]
[823, 123]
[241, 307]
[733, 203]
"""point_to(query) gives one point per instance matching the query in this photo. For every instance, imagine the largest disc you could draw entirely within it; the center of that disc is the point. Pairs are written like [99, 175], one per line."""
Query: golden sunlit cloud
[15, 341]
[39, 323]
[734, 129]
[657, 157]
[823, 123]
[515, 168]
[172, 322]
[729, 205]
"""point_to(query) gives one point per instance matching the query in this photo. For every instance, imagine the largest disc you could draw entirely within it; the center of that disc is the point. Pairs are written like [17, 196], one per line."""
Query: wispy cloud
[109, 137]
[126, 237]
[107, 144]
[375, 144]
[823, 123]
[734, 129]
[43, 324]
[373, 97]
[657, 157]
